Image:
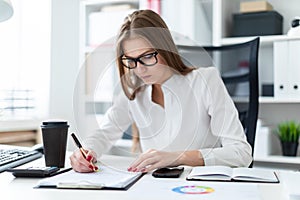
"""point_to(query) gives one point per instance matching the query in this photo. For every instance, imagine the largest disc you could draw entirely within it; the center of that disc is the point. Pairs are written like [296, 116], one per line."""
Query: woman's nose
[140, 67]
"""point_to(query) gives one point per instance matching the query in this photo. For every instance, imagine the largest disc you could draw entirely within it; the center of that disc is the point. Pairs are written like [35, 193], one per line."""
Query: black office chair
[238, 65]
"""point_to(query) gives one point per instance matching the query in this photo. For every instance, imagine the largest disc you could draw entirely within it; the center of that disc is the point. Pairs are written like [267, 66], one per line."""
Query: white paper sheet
[105, 177]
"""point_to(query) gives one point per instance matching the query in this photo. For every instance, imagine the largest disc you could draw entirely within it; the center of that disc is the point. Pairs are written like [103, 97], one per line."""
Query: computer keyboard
[13, 156]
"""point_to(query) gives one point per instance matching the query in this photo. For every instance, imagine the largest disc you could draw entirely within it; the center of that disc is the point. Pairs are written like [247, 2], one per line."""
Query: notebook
[224, 173]
[105, 178]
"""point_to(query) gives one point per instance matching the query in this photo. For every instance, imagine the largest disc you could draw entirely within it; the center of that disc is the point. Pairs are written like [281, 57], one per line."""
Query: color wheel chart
[193, 189]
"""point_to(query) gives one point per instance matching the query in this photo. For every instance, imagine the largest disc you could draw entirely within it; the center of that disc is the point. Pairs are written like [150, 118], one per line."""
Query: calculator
[33, 171]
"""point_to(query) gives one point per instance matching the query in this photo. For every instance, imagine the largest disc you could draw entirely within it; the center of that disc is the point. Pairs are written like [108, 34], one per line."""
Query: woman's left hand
[153, 159]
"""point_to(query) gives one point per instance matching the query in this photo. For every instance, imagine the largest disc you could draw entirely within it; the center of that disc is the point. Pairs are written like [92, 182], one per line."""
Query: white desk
[146, 188]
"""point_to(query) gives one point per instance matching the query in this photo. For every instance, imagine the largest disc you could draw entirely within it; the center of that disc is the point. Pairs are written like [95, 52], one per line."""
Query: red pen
[78, 144]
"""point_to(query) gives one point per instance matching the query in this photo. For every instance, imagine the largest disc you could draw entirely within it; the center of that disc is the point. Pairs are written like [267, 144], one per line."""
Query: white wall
[191, 18]
[64, 59]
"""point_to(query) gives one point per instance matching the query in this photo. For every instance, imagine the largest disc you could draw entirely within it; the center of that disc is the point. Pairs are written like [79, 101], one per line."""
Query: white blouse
[198, 114]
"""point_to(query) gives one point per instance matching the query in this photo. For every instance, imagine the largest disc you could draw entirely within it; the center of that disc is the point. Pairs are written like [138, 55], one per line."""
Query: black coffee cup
[55, 134]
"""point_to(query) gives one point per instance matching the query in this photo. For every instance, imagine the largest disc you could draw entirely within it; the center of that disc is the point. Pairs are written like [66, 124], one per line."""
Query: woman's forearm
[191, 158]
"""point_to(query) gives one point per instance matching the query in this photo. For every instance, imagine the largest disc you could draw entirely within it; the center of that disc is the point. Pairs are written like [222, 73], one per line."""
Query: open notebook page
[211, 173]
[254, 174]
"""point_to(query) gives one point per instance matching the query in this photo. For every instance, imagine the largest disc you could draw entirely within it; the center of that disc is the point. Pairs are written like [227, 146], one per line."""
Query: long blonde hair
[150, 26]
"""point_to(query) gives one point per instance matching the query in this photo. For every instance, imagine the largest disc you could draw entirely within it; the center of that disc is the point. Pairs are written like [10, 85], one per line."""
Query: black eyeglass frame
[138, 59]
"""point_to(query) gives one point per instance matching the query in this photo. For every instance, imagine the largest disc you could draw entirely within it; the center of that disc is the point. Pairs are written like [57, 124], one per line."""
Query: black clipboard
[85, 180]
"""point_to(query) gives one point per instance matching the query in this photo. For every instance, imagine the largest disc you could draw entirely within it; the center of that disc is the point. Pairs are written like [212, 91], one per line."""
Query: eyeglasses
[148, 60]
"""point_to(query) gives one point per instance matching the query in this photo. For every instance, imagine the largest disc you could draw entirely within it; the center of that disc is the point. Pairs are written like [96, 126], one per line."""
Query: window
[25, 60]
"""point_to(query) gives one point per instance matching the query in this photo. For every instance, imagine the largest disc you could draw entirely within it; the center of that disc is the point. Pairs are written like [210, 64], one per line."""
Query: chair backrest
[238, 66]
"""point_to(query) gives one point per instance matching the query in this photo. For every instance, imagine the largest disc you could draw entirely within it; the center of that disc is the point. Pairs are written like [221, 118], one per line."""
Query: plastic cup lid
[55, 123]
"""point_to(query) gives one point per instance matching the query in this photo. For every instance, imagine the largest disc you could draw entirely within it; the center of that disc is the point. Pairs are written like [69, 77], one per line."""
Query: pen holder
[55, 135]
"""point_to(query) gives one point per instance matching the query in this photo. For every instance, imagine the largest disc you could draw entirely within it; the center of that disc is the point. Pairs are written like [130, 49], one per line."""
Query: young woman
[184, 115]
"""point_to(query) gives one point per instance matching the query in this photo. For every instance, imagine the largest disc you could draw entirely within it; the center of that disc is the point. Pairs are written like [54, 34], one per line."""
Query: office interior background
[44, 74]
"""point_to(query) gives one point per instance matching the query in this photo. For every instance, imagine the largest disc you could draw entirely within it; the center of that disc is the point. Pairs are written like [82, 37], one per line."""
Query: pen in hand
[78, 144]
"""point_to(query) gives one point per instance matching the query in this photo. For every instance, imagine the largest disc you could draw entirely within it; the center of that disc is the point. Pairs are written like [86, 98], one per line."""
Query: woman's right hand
[81, 164]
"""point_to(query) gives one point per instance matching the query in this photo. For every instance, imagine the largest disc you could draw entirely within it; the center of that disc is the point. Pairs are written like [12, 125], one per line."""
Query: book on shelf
[224, 173]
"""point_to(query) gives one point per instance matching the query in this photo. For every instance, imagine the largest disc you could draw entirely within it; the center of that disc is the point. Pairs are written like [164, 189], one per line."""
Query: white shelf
[264, 40]
[274, 100]
[262, 100]
[267, 100]
[101, 2]
[19, 125]
[279, 159]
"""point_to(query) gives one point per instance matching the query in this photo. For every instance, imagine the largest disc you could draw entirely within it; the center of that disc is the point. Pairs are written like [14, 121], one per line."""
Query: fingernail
[129, 169]
[134, 169]
[91, 167]
[143, 170]
[96, 168]
[89, 158]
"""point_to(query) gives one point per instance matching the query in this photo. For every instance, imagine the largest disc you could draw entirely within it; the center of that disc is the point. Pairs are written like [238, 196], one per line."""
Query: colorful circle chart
[193, 189]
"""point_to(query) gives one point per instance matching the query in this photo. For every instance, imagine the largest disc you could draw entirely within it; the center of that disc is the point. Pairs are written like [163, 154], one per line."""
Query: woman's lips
[146, 77]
